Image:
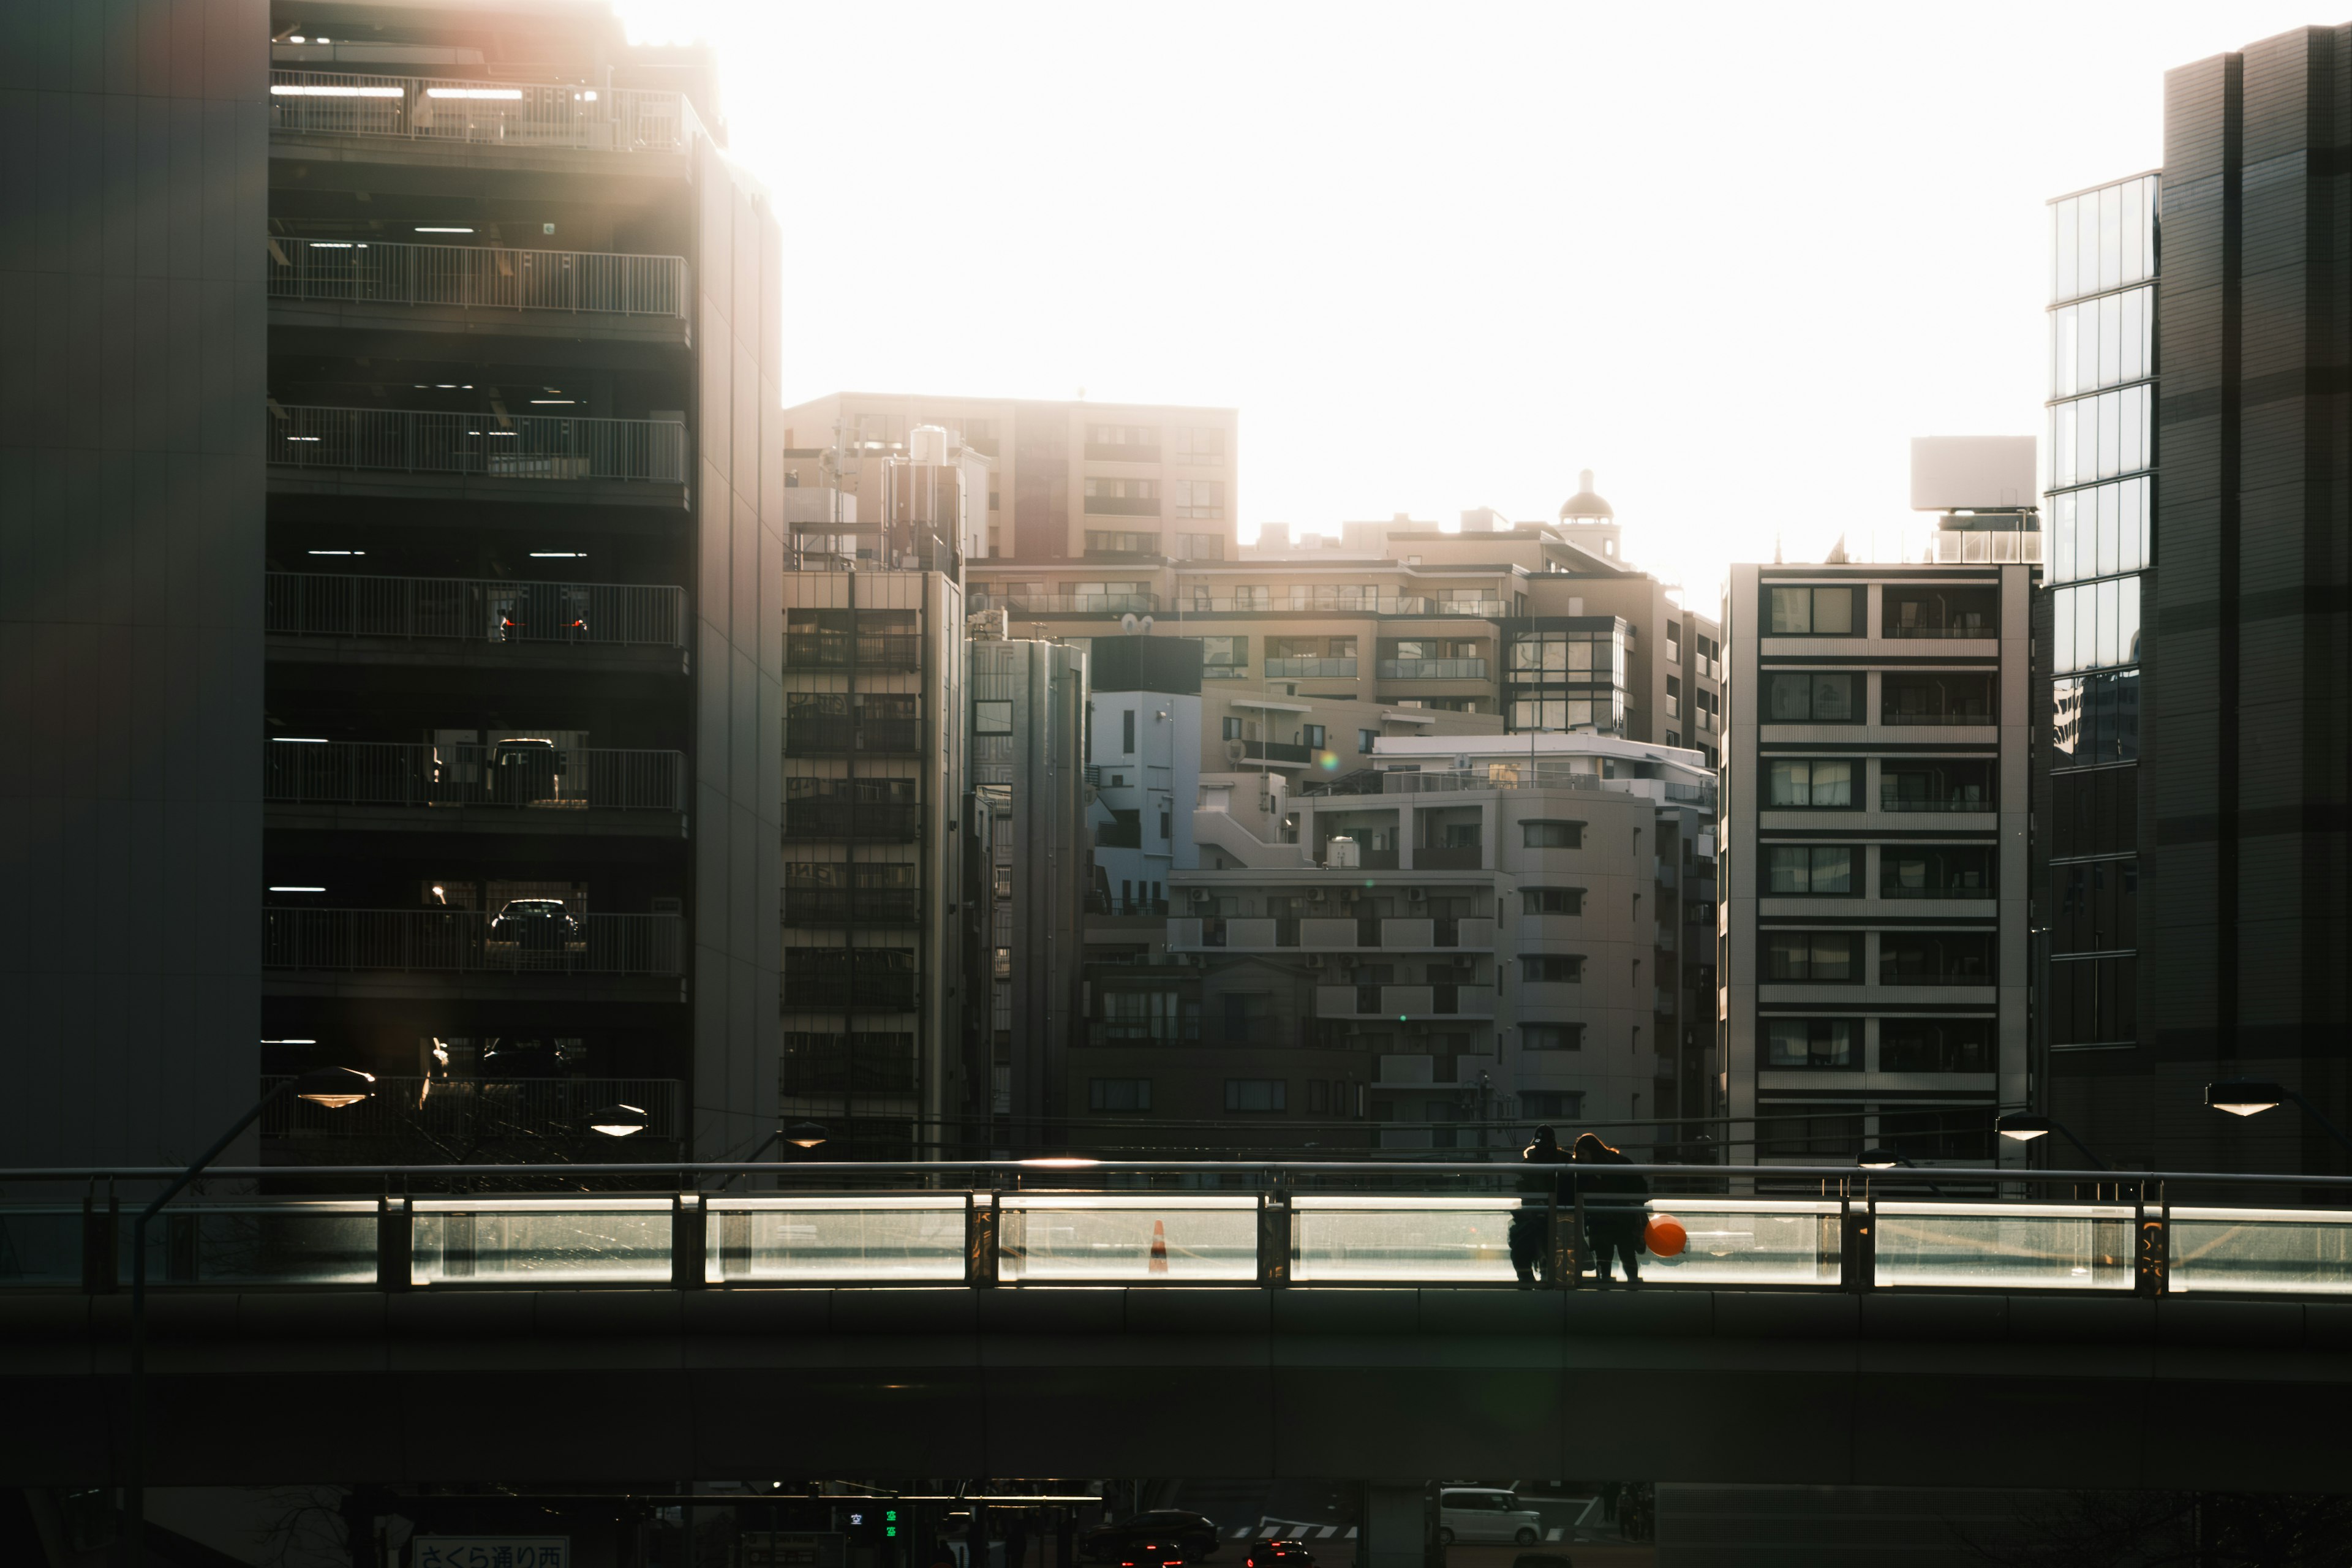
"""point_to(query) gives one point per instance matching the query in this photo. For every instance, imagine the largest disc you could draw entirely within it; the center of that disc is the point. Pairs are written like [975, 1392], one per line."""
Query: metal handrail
[462, 110]
[493, 610]
[491, 276]
[498, 445]
[396, 773]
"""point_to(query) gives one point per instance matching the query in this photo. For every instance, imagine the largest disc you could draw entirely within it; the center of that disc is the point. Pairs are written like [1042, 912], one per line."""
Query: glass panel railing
[1436, 1241]
[277, 1243]
[2307, 1251]
[2012, 1247]
[40, 1245]
[568, 1241]
[1047, 1237]
[1749, 1241]
[818, 1240]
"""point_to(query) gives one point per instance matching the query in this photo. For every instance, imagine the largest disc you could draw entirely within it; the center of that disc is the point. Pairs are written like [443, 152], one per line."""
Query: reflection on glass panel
[815, 1239]
[584, 1241]
[1436, 1239]
[2104, 648]
[2029, 1245]
[2099, 532]
[2062, 248]
[2100, 436]
[2111, 237]
[1754, 1241]
[2303, 1250]
[1135, 1238]
[2095, 719]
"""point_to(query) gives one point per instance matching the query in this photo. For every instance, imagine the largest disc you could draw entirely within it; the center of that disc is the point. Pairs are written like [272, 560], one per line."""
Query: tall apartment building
[1074, 481]
[1873, 931]
[450, 489]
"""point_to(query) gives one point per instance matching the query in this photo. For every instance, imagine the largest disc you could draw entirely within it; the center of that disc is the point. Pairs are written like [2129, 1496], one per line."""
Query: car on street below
[1484, 1514]
[1152, 1540]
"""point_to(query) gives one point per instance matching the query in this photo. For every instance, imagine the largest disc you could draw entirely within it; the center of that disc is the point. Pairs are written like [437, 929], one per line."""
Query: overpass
[1867, 1336]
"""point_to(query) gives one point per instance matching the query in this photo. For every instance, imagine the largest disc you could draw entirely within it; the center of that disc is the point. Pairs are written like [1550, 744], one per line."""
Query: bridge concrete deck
[1898, 1388]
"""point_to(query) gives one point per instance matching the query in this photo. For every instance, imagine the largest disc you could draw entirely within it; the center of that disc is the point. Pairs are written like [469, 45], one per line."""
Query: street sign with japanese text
[492, 1550]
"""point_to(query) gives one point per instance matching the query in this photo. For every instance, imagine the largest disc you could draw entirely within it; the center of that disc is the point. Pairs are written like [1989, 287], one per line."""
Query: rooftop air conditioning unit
[1319, 895]
[1314, 961]
[1417, 895]
[1201, 895]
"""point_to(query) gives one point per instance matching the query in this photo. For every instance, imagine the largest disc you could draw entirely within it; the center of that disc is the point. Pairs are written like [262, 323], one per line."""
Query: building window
[1551, 835]
[1551, 901]
[1199, 444]
[2095, 625]
[1938, 697]
[1123, 497]
[1936, 871]
[2096, 907]
[1674, 642]
[1551, 968]
[2100, 437]
[1256, 1094]
[1124, 542]
[1812, 697]
[2093, 1002]
[1935, 1045]
[1935, 958]
[1818, 1043]
[1200, 546]
[1118, 1094]
[1364, 739]
[1965, 785]
[1809, 784]
[1809, 869]
[1224, 659]
[2100, 532]
[1311, 736]
[2095, 719]
[1551, 1036]
[1126, 730]
[1130, 1018]
[1566, 1104]
[1251, 596]
[1814, 957]
[1123, 443]
[1232, 728]
[1201, 500]
[2094, 813]
[1940, 612]
[1809, 612]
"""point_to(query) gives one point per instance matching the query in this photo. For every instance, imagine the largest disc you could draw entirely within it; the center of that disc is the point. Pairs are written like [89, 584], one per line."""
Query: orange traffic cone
[1159, 1247]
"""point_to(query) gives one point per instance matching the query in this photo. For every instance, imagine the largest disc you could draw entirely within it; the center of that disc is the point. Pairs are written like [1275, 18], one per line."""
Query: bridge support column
[1395, 1532]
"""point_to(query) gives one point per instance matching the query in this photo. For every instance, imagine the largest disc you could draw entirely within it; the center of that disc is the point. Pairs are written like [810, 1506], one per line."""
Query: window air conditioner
[1417, 895]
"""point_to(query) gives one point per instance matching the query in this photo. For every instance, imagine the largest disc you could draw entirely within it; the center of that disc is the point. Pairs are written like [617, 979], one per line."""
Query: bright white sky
[1731, 257]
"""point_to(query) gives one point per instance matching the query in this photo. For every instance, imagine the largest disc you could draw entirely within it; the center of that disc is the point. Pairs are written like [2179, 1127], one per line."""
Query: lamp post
[2253, 1096]
[2025, 1126]
[333, 1087]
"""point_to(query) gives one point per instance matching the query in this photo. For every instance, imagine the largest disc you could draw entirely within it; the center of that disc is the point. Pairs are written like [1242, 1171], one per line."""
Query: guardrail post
[689, 1241]
[100, 1227]
[2152, 1259]
[396, 1233]
[980, 1254]
[1857, 1240]
[1568, 1250]
[1274, 1235]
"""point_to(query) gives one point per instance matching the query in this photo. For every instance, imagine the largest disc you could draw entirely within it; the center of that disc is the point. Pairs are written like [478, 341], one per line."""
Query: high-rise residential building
[436, 726]
[1873, 929]
[1105, 482]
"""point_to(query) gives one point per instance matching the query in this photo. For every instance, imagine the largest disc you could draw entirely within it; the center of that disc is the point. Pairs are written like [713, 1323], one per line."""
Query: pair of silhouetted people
[1614, 1207]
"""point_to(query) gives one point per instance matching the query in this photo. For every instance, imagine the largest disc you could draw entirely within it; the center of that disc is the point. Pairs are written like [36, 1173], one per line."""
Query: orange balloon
[1665, 1235]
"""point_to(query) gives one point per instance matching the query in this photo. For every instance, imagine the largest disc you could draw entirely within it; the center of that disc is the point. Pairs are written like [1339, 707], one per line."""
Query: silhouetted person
[1614, 1212]
[1530, 1230]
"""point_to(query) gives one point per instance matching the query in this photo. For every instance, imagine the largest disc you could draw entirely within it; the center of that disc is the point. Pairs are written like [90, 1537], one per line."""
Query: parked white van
[1484, 1513]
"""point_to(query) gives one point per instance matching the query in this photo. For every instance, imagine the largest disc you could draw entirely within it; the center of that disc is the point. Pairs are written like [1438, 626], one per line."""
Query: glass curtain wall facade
[2100, 454]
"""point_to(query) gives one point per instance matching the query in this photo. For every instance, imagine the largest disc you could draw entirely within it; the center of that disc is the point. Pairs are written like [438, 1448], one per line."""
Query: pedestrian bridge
[1301, 1320]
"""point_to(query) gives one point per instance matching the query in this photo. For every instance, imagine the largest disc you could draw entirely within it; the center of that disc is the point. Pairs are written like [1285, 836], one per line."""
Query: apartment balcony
[413, 453]
[462, 114]
[831, 816]
[851, 906]
[1406, 1002]
[1305, 669]
[469, 1111]
[837, 994]
[1433, 669]
[1449, 857]
[844, 650]
[399, 786]
[841, 734]
[1346, 604]
[1329, 935]
[326, 617]
[395, 286]
[1277, 751]
[463, 955]
[1065, 603]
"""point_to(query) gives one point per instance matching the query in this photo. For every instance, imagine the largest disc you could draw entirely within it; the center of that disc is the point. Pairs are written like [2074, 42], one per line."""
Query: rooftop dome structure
[1585, 506]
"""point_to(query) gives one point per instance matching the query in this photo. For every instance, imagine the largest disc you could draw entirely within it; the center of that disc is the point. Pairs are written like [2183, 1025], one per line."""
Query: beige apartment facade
[1102, 482]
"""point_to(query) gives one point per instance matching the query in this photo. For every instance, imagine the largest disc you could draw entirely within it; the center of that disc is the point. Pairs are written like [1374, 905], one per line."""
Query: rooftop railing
[372, 272]
[1295, 668]
[470, 942]
[1066, 603]
[1076, 1222]
[1433, 669]
[474, 1108]
[496, 445]
[498, 113]
[1348, 604]
[481, 610]
[409, 774]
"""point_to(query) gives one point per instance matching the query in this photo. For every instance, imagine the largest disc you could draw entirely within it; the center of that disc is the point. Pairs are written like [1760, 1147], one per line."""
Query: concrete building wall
[131, 573]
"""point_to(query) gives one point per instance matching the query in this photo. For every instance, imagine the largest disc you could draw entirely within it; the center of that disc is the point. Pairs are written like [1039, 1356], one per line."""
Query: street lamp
[332, 1087]
[619, 1121]
[1879, 1159]
[2025, 1126]
[2253, 1096]
[799, 1134]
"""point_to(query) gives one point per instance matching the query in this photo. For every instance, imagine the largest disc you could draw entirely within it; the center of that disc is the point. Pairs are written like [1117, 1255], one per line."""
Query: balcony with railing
[586, 452]
[471, 112]
[840, 650]
[836, 816]
[406, 775]
[471, 941]
[1454, 1001]
[1433, 669]
[1304, 668]
[823, 905]
[566, 621]
[561, 285]
[1065, 603]
[463, 1113]
[841, 734]
[1342, 604]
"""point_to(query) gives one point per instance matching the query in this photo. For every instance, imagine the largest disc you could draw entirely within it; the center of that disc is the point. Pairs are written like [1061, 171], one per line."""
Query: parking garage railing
[497, 113]
[1079, 1222]
[493, 446]
[345, 271]
[304, 772]
[482, 610]
[471, 941]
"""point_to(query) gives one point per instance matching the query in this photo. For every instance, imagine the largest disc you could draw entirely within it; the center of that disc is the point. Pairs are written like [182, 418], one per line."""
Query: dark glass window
[2094, 813]
[1936, 696]
[1812, 697]
[1551, 1036]
[1936, 871]
[1820, 1134]
[1935, 1045]
[1552, 901]
[2095, 719]
[1960, 785]
[1551, 968]
[1935, 958]
[1811, 783]
[1803, 870]
[2093, 1002]
[2094, 907]
[1940, 612]
[1937, 1132]
[1118, 1094]
[1256, 1094]
[1810, 612]
[1553, 835]
[1832, 1044]
[1812, 956]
